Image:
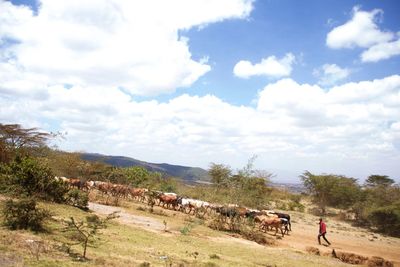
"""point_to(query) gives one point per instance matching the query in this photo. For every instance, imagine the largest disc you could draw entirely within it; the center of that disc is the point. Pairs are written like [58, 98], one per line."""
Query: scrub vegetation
[45, 220]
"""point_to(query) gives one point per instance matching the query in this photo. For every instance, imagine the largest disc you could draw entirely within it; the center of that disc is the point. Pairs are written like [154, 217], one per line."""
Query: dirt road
[127, 218]
[343, 236]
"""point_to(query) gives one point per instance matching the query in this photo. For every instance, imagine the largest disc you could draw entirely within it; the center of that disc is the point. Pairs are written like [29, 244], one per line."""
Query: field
[170, 238]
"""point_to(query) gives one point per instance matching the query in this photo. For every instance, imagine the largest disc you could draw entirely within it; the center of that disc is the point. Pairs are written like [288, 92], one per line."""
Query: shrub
[215, 256]
[187, 228]
[295, 206]
[386, 219]
[77, 198]
[87, 232]
[24, 214]
[28, 177]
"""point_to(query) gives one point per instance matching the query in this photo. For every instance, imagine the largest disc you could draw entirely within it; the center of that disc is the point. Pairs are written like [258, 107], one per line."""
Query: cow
[284, 216]
[193, 205]
[267, 222]
[226, 212]
[168, 199]
[138, 193]
[75, 182]
[104, 187]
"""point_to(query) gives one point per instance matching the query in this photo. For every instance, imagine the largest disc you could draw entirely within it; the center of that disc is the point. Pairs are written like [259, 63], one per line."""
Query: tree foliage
[379, 208]
[331, 190]
[86, 232]
[15, 140]
[137, 176]
[24, 214]
[27, 176]
[77, 198]
[378, 180]
[219, 174]
[247, 186]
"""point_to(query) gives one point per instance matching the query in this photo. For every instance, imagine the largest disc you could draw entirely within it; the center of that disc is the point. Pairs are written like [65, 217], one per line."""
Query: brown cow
[169, 200]
[139, 193]
[104, 187]
[267, 222]
[119, 190]
[74, 182]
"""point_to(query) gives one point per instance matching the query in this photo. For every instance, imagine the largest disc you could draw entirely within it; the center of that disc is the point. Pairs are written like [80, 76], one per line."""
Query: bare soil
[127, 218]
[342, 235]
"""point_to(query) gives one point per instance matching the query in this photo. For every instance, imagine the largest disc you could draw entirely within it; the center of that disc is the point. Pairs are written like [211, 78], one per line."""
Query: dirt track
[127, 218]
[343, 237]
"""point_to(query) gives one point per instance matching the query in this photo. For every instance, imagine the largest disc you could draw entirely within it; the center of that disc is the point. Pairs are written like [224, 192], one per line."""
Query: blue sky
[311, 85]
[279, 27]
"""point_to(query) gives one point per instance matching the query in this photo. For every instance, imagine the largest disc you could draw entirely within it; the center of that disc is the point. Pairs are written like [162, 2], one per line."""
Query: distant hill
[187, 174]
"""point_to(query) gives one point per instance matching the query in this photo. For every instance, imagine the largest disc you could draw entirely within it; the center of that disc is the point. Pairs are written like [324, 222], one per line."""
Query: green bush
[295, 206]
[24, 214]
[77, 198]
[187, 228]
[29, 177]
[386, 219]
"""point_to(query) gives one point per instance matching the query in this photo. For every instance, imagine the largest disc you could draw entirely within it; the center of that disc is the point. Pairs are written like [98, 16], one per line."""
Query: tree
[378, 180]
[219, 174]
[331, 190]
[386, 219]
[115, 175]
[87, 232]
[24, 214]
[17, 140]
[137, 176]
[27, 176]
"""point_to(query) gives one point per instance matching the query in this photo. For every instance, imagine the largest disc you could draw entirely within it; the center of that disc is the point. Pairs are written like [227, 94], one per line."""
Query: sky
[310, 85]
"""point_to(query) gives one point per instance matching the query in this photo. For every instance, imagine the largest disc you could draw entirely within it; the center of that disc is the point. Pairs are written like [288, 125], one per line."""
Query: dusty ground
[127, 218]
[343, 236]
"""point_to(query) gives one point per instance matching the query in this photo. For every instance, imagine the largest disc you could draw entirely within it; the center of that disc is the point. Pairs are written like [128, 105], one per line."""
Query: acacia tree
[137, 176]
[247, 187]
[87, 232]
[331, 190]
[378, 180]
[220, 174]
[15, 140]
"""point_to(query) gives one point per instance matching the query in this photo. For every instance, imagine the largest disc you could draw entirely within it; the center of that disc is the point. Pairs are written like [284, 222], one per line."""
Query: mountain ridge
[186, 173]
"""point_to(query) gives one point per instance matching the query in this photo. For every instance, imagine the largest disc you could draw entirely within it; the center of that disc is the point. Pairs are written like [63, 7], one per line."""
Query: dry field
[170, 238]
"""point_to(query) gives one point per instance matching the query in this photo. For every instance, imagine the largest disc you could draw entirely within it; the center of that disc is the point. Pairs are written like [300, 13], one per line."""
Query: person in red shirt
[322, 232]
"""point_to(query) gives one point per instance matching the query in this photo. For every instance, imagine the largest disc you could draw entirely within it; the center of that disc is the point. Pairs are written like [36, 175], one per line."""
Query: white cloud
[381, 51]
[330, 74]
[131, 44]
[361, 31]
[270, 66]
[306, 126]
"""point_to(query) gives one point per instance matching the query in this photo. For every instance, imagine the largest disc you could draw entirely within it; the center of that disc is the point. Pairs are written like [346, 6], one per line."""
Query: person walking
[322, 231]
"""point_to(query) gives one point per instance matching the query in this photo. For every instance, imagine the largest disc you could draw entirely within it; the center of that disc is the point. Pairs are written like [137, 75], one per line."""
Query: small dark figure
[322, 232]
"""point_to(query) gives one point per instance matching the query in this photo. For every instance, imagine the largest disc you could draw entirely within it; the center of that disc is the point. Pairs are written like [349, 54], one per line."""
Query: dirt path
[343, 236]
[128, 218]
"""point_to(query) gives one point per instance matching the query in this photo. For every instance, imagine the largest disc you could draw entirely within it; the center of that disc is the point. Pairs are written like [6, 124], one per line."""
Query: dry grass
[133, 245]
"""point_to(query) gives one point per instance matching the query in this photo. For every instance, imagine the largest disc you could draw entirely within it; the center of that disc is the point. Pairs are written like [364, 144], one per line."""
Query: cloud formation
[363, 31]
[330, 74]
[381, 51]
[353, 122]
[134, 45]
[270, 67]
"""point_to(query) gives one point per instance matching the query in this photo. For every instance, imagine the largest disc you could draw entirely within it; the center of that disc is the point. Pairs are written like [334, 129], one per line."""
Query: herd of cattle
[266, 219]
